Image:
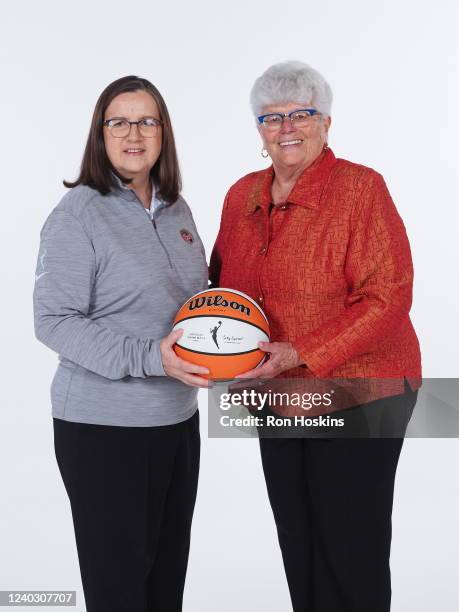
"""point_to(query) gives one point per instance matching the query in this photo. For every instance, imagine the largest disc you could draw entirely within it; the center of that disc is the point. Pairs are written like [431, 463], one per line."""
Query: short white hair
[291, 82]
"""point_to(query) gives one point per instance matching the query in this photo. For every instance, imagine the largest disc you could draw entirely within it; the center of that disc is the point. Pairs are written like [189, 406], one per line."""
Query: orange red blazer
[331, 269]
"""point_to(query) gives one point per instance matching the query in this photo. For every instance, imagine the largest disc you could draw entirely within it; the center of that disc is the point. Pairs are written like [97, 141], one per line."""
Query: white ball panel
[232, 336]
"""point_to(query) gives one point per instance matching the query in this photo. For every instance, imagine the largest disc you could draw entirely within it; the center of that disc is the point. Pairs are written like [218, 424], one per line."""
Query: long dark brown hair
[96, 169]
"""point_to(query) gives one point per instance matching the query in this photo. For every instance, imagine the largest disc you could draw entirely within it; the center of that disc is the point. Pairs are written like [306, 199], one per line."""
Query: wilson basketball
[221, 331]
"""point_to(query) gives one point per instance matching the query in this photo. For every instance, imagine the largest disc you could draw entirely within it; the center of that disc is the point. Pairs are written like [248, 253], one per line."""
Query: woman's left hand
[282, 356]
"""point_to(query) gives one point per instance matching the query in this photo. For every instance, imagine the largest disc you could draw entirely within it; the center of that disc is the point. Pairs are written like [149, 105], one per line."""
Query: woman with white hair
[318, 242]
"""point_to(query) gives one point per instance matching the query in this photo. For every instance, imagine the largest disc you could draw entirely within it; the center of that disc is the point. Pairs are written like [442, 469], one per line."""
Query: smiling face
[290, 146]
[133, 156]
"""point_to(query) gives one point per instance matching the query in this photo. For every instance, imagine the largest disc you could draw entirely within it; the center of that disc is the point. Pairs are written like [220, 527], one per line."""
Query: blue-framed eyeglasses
[298, 118]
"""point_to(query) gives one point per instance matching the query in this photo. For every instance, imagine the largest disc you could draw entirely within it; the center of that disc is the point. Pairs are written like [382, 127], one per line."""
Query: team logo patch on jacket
[186, 235]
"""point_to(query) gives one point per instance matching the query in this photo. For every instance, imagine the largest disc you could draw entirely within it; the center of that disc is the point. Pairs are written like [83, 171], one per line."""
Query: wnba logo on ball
[217, 300]
[214, 332]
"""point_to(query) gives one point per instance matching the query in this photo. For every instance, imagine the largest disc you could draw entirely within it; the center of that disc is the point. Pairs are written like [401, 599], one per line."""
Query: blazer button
[260, 299]
[283, 207]
[263, 251]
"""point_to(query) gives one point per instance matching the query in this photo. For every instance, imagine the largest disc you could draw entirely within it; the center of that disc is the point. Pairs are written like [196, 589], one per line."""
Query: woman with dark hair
[113, 268]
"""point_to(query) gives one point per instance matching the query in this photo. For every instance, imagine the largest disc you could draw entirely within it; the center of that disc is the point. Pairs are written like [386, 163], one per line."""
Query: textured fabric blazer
[331, 268]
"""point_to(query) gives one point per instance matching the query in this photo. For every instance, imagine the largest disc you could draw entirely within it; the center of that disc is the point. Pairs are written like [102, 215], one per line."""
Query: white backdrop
[392, 65]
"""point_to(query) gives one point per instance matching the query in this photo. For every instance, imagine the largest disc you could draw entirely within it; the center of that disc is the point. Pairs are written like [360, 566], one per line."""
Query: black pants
[132, 492]
[332, 504]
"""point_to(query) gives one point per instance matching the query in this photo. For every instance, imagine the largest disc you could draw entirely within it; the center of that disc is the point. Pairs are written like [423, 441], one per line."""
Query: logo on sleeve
[41, 267]
[186, 235]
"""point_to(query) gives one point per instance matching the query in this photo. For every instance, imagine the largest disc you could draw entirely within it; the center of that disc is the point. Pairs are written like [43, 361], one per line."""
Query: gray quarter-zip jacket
[109, 281]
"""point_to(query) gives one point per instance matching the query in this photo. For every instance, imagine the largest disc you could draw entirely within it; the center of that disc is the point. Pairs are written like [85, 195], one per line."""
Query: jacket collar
[307, 191]
[122, 190]
[125, 192]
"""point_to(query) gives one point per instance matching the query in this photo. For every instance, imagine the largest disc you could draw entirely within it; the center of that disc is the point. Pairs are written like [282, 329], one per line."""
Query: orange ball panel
[255, 317]
[222, 367]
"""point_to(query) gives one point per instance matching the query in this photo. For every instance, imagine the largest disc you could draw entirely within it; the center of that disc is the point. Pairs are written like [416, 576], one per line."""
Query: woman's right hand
[178, 368]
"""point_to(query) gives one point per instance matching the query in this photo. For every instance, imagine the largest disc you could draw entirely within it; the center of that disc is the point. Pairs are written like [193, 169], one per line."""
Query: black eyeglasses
[120, 127]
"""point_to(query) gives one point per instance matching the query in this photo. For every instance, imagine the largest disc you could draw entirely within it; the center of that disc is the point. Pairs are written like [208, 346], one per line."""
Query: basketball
[221, 331]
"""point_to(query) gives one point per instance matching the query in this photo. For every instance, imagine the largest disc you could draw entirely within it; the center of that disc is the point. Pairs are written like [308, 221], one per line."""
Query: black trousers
[332, 504]
[132, 492]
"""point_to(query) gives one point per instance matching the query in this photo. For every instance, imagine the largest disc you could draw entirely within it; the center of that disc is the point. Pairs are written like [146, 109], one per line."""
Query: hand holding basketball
[282, 356]
[179, 368]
